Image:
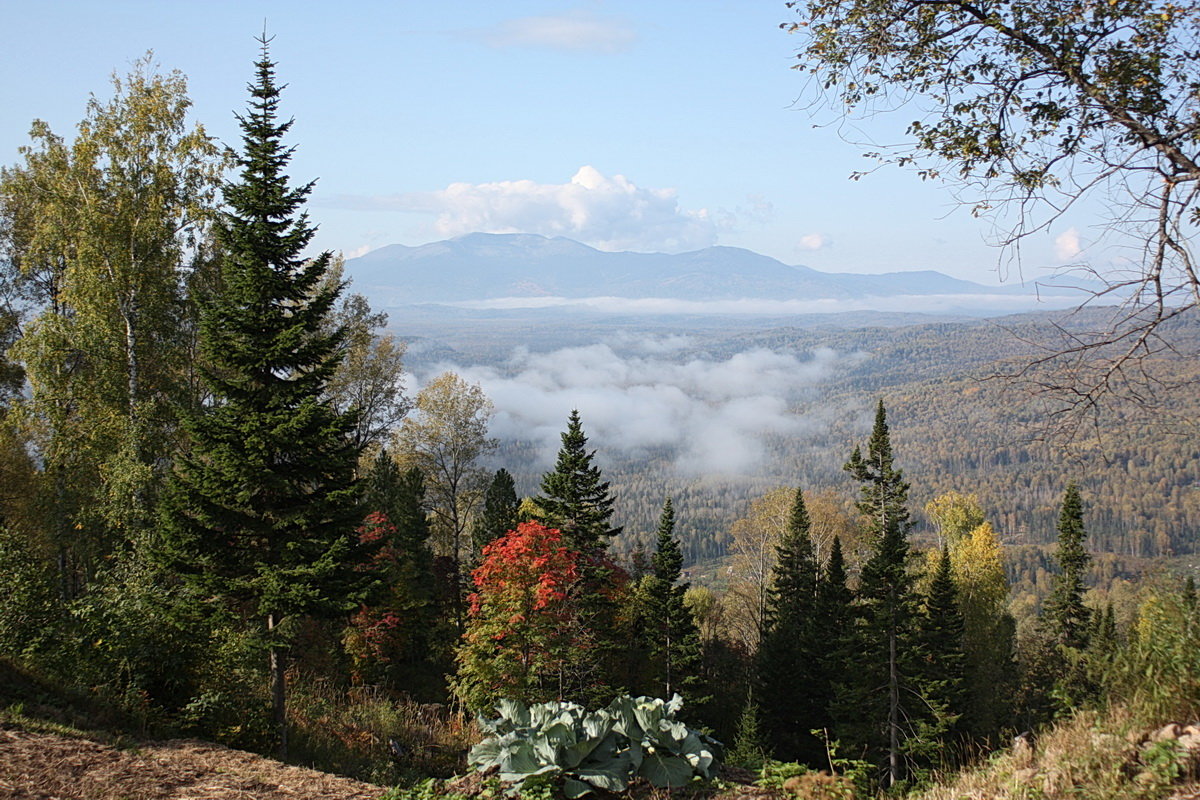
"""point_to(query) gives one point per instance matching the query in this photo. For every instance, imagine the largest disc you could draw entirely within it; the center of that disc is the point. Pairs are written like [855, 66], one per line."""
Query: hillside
[481, 266]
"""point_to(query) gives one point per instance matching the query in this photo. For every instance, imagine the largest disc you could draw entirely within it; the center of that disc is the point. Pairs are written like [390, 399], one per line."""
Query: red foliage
[528, 569]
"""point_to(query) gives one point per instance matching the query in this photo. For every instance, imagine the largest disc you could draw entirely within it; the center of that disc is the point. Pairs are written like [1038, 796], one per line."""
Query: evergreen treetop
[1065, 616]
[884, 492]
[667, 559]
[574, 496]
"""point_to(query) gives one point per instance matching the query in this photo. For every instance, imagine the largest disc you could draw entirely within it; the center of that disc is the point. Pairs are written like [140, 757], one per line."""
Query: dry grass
[1094, 756]
[46, 766]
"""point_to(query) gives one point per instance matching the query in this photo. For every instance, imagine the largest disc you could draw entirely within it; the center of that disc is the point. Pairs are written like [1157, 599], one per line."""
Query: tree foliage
[262, 510]
[522, 625]
[1033, 107]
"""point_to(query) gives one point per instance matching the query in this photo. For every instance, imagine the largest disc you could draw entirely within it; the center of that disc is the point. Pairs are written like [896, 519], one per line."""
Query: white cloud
[1067, 245]
[574, 32]
[812, 241]
[357, 251]
[713, 416]
[611, 213]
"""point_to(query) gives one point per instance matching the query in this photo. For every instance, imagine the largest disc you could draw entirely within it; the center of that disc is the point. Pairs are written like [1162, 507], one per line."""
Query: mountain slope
[483, 266]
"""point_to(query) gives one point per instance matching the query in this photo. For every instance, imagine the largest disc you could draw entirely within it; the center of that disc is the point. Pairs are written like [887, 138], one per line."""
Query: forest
[225, 518]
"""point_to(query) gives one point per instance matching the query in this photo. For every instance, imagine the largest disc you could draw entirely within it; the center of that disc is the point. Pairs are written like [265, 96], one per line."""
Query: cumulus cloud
[714, 416]
[1067, 245]
[610, 213]
[579, 31]
[355, 252]
[812, 241]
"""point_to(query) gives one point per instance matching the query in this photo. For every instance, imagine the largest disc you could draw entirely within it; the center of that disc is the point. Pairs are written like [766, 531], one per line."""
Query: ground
[46, 766]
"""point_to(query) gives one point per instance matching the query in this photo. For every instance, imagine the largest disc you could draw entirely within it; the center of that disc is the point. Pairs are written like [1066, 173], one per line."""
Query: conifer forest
[229, 513]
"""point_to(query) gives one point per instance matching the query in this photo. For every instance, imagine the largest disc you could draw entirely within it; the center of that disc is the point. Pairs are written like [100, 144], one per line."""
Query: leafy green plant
[588, 750]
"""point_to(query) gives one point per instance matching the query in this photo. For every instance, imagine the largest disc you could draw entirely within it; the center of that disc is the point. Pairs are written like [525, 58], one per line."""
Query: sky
[663, 126]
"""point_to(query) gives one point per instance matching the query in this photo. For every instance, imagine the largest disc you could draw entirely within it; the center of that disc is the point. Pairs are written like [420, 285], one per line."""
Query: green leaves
[605, 749]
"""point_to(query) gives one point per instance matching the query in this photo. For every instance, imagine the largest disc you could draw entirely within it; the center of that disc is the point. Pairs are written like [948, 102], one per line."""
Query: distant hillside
[482, 266]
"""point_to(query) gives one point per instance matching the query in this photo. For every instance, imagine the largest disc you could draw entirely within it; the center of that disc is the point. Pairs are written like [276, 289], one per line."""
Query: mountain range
[483, 266]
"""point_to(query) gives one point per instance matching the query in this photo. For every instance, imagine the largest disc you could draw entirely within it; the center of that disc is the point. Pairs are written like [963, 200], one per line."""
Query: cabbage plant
[604, 749]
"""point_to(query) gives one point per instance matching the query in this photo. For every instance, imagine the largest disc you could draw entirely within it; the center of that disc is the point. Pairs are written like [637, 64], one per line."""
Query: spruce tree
[833, 621]
[501, 508]
[575, 500]
[879, 697]
[884, 493]
[942, 657]
[674, 640]
[788, 654]
[575, 497]
[1065, 617]
[262, 509]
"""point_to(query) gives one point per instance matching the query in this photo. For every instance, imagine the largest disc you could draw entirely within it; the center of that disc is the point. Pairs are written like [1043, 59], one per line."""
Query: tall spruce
[262, 509]
[1065, 617]
[674, 639]
[788, 653]
[883, 497]
[833, 632]
[879, 700]
[943, 659]
[501, 511]
[575, 498]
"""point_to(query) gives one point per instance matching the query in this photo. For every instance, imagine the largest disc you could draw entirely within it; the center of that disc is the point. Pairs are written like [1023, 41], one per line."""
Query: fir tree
[884, 493]
[879, 697]
[788, 654]
[575, 500]
[262, 510]
[501, 508]
[1065, 617]
[674, 646]
[943, 658]
[833, 631]
[574, 497]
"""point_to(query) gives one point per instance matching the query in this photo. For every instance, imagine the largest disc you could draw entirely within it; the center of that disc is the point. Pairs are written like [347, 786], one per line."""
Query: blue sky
[626, 125]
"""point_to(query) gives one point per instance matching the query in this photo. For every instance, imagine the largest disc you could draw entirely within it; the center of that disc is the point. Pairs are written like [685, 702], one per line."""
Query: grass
[366, 733]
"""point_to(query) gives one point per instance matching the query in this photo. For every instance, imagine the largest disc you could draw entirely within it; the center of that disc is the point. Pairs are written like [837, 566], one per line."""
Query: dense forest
[223, 516]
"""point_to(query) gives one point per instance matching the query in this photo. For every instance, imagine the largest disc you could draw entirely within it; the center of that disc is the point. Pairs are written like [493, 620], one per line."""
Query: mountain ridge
[488, 266]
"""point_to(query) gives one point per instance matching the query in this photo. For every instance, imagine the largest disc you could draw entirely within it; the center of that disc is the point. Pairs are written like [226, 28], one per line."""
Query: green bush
[605, 749]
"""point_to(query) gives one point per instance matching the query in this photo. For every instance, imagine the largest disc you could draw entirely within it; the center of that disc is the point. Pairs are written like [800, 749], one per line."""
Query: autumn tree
[1034, 109]
[522, 628]
[446, 436]
[262, 509]
[98, 235]
[752, 558]
[370, 377]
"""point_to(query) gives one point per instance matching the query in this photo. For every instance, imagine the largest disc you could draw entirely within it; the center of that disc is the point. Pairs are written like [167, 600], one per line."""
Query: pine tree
[1065, 617]
[879, 695]
[501, 508]
[788, 654]
[884, 493]
[576, 501]
[262, 510]
[833, 621]
[574, 497]
[674, 640]
[943, 659]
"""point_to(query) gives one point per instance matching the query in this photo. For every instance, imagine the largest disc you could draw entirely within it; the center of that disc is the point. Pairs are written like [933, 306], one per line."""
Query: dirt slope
[42, 766]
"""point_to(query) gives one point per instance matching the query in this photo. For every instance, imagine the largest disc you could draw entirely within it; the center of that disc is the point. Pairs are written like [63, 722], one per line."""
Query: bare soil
[44, 766]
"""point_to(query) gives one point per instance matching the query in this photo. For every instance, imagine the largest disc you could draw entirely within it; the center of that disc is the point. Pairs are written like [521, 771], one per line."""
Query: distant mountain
[484, 266]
